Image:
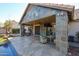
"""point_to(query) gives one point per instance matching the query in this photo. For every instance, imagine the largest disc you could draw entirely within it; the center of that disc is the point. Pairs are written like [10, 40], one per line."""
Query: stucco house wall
[15, 25]
[76, 14]
[73, 27]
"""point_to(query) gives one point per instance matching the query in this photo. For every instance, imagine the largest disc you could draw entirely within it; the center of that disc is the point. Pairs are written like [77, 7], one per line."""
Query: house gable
[34, 12]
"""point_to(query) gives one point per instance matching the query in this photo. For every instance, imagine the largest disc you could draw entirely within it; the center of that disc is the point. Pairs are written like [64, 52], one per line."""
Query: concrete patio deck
[28, 46]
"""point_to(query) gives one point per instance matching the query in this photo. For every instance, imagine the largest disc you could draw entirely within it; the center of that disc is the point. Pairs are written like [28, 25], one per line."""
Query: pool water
[8, 50]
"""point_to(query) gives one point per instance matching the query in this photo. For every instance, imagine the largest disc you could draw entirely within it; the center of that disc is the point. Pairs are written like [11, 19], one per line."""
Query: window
[37, 30]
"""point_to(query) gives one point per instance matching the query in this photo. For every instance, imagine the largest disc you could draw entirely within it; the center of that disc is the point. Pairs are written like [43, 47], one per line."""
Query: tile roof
[57, 6]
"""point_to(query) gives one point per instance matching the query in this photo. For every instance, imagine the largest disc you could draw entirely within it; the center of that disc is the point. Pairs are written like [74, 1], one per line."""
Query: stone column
[42, 30]
[21, 30]
[33, 30]
[62, 32]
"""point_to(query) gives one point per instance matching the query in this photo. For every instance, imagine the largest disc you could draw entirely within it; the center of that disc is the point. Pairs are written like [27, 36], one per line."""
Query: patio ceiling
[49, 19]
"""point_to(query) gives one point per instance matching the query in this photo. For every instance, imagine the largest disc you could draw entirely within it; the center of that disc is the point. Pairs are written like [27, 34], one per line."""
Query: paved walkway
[28, 46]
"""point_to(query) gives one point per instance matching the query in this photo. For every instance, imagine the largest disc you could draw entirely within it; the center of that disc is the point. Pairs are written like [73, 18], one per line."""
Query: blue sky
[11, 11]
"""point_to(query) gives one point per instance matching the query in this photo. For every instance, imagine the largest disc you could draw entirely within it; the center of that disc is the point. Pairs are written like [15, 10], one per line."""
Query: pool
[8, 50]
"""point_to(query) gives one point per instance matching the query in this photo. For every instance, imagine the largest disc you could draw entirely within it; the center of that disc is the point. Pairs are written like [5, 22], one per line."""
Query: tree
[8, 26]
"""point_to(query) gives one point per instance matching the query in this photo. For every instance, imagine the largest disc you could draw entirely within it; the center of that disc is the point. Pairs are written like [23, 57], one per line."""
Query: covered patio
[44, 27]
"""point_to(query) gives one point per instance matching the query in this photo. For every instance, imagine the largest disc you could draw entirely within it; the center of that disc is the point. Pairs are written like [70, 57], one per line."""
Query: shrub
[15, 31]
[1, 35]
